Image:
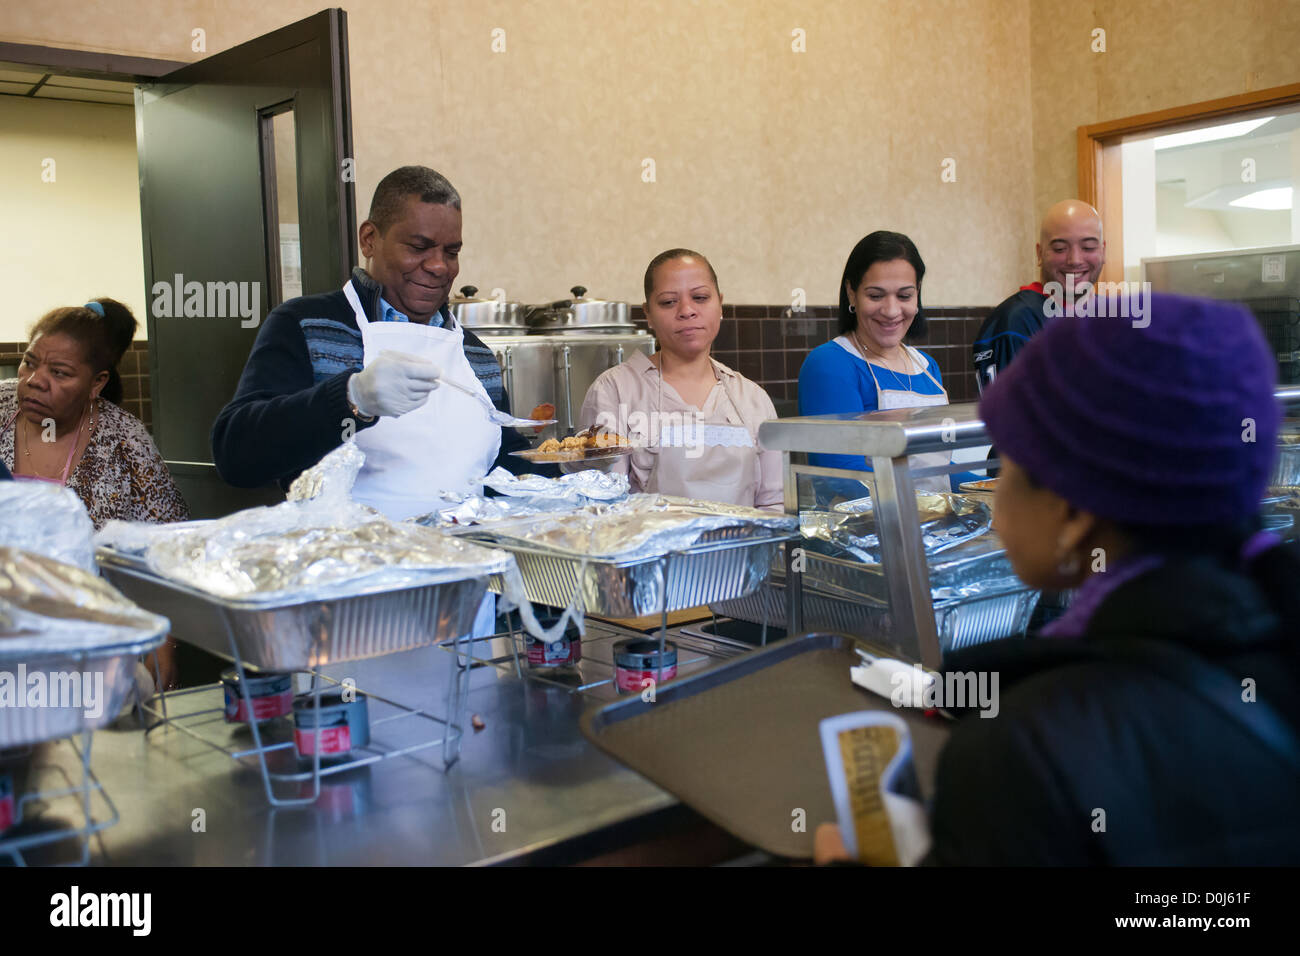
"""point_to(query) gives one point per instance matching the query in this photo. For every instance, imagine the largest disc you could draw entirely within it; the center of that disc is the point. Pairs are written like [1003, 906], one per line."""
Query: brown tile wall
[763, 342]
[134, 369]
[768, 344]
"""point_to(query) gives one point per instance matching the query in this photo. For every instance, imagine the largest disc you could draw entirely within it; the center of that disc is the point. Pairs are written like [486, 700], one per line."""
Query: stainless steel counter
[526, 785]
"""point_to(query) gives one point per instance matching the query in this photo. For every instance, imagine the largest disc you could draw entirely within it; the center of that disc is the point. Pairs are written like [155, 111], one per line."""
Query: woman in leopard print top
[59, 423]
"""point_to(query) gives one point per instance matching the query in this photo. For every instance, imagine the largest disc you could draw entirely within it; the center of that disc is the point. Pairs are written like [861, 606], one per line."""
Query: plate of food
[587, 445]
[986, 485]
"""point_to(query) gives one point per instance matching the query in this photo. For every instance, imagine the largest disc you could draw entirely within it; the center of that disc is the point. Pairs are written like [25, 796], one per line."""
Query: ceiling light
[1279, 198]
[1210, 133]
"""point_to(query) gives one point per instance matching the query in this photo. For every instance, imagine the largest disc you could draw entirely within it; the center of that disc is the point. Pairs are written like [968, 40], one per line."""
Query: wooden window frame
[1099, 155]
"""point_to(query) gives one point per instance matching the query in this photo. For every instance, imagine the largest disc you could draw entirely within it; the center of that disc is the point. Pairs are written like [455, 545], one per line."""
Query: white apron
[712, 461]
[905, 398]
[447, 444]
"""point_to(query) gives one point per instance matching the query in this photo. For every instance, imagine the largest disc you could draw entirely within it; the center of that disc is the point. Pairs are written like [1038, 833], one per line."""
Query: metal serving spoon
[494, 414]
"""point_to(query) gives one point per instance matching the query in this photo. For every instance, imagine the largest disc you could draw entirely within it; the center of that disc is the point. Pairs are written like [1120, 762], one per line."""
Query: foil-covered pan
[46, 519]
[308, 633]
[958, 623]
[524, 495]
[725, 563]
[274, 557]
[578, 488]
[641, 526]
[1287, 469]
[946, 520]
[975, 593]
[68, 648]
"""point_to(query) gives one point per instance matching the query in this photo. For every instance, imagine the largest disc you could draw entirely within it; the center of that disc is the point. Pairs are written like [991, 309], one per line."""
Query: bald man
[1071, 251]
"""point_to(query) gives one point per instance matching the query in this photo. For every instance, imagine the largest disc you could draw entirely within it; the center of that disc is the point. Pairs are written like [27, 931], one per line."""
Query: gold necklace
[88, 420]
[861, 343]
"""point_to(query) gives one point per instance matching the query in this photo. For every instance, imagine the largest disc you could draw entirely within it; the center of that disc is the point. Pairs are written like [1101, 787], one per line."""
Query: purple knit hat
[1144, 425]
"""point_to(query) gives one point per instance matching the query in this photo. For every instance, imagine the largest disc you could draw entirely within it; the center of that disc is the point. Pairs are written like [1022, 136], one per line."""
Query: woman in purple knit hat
[1158, 720]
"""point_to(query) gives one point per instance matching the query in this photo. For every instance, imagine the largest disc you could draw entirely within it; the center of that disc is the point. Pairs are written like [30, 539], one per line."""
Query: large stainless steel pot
[487, 316]
[582, 313]
[560, 368]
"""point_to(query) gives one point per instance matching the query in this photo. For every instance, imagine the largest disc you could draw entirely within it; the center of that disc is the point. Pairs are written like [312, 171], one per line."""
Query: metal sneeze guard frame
[889, 439]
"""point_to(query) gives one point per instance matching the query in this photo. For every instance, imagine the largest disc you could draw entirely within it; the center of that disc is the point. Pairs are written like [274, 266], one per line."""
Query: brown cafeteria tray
[739, 743]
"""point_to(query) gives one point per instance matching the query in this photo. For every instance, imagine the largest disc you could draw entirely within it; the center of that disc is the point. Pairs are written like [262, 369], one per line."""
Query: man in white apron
[364, 364]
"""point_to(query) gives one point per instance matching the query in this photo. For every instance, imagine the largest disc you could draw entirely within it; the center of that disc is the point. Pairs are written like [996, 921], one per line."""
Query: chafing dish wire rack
[15, 840]
[319, 632]
[694, 651]
[732, 563]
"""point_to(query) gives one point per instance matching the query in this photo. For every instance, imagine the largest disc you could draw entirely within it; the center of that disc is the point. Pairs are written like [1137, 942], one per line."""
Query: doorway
[239, 167]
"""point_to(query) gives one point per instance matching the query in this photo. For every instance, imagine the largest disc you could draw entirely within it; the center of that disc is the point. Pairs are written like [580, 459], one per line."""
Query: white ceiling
[1211, 173]
[50, 86]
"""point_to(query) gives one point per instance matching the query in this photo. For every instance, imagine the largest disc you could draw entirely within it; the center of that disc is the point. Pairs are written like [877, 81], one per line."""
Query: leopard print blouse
[121, 475]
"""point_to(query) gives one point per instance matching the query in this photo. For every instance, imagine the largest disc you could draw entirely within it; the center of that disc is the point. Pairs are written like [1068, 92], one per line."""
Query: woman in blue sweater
[869, 366]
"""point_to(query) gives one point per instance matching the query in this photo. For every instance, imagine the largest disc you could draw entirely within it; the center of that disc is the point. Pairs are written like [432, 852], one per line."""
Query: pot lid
[469, 294]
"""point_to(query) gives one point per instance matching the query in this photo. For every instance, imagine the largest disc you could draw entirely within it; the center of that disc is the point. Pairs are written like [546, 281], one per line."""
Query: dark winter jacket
[1101, 754]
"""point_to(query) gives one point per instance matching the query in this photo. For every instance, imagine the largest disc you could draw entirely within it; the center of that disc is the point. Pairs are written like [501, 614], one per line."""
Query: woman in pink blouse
[694, 420]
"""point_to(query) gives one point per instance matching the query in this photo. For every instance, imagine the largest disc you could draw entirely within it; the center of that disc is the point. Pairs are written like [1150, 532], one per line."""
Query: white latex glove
[393, 384]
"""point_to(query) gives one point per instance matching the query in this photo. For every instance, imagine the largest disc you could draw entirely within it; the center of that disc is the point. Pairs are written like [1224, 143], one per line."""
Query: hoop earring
[1068, 565]
[851, 309]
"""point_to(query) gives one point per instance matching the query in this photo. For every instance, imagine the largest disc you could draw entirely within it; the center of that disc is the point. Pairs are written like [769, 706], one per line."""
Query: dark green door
[246, 198]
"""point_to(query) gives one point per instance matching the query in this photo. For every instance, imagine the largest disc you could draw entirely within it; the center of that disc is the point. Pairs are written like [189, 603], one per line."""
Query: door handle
[568, 391]
[508, 373]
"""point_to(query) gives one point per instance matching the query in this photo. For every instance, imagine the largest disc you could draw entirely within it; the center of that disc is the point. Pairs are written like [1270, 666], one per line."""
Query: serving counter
[528, 788]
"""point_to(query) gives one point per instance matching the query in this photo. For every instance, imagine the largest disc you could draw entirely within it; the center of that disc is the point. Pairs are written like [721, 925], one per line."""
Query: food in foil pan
[298, 551]
[928, 505]
[946, 521]
[48, 607]
[46, 519]
[641, 525]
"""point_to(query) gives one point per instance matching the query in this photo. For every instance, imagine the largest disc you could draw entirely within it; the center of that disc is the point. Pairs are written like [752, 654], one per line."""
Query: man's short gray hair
[390, 195]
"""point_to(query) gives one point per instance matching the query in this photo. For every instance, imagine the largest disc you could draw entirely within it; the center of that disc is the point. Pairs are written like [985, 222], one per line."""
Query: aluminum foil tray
[724, 563]
[307, 634]
[959, 623]
[739, 743]
[24, 726]
[67, 625]
[1286, 471]
[975, 600]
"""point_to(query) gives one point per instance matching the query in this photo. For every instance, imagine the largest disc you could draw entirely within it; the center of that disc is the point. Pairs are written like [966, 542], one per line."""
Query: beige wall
[1159, 54]
[771, 162]
[78, 237]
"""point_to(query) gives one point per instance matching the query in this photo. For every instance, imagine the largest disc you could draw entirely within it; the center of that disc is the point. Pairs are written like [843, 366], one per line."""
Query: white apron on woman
[447, 444]
[710, 453]
[713, 457]
[887, 398]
